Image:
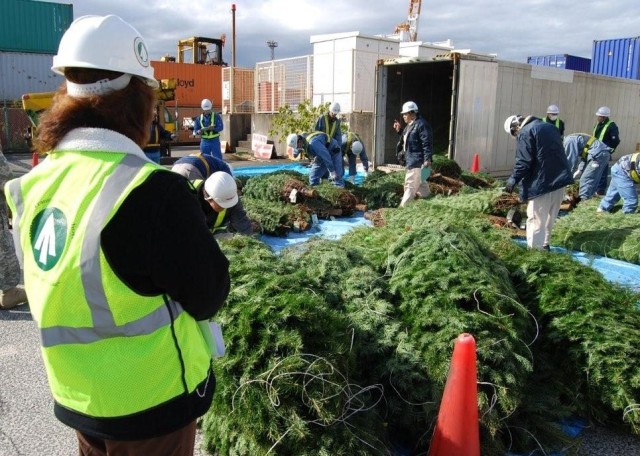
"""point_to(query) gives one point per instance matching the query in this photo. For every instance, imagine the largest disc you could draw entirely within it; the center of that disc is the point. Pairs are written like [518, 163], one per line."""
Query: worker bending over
[352, 148]
[222, 207]
[199, 167]
[588, 158]
[325, 154]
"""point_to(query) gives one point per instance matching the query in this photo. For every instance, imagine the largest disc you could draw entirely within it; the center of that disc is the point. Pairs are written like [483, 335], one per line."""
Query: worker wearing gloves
[352, 148]
[116, 305]
[624, 178]
[329, 123]
[157, 134]
[587, 158]
[606, 131]
[542, 167]
[415, 146]
[208, 126]
[223, 209]
[552, 117]
[199, 167]
[325, 154]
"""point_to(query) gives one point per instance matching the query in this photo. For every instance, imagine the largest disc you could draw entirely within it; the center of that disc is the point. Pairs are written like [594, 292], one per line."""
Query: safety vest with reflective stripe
[108, 351]
[351, 138]
[307, 151]
[555, 122]
[603, 131]
[208, 134]
[587, 146]
[329, 128]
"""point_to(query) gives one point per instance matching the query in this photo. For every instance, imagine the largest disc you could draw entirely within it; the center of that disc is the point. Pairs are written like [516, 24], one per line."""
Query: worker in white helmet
[543, 169]
[208, 126]
[606, 131]
[225, 215]
[587, 158]
[325, 156]
[415, 151]
[329, 123]
[116, 300]
[353, 148]
[553, 117]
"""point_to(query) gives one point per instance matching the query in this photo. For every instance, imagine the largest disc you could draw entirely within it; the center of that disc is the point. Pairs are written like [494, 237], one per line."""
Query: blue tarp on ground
[298, 167]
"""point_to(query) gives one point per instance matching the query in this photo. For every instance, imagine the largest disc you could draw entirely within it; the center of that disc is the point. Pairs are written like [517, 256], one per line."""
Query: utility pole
[272, 45]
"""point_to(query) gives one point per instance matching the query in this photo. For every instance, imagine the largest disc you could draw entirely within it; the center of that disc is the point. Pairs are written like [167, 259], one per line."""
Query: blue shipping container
[564, 61]
[618, 58]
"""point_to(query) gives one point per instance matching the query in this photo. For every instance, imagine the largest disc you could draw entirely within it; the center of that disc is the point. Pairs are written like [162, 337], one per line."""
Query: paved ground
[27, 424]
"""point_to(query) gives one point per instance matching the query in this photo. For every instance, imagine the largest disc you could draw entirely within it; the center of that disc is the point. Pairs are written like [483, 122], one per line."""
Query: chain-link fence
[237, 97]
[283, 82]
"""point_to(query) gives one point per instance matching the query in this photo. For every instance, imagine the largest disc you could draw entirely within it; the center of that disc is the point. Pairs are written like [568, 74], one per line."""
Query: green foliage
[445, 166]
[303, 120]
[615, 235]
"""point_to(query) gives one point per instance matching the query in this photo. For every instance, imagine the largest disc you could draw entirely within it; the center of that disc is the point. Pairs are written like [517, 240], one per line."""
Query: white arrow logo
[46, 242]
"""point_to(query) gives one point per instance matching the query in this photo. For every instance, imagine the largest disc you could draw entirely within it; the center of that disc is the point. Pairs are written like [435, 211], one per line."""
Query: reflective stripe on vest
[587, 146]
[209, 134]
[350, 140]
[603, 131]
[329, 129]
[83, 310]
[555, 122]
[217, 226]
[308, 141]
[635, 166]
[204, 162]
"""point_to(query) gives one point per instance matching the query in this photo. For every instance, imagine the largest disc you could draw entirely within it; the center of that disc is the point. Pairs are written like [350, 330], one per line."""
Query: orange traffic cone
[475, 166]
[34, 159]
[457, 430]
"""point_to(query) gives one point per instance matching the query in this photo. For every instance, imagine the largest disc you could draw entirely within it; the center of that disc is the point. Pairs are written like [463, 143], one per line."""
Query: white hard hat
[334, 108]
[511, 123]
[221, 187]
[104, 43]
[553, 109]
[356, 148]
[408, 107]
[603, 111]
[292, 140]
[206, 104]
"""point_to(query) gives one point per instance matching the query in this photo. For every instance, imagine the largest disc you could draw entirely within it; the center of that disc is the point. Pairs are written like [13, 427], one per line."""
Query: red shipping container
[193, 82]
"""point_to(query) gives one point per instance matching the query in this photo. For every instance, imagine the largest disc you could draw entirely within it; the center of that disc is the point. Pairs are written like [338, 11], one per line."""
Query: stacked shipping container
[618, 58]
[564, 61]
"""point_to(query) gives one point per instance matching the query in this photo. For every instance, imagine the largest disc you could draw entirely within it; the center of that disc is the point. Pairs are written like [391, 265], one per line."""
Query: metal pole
[233, 35]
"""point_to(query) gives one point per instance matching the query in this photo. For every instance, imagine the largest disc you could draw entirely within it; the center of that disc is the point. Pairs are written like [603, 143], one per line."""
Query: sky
[513, 30]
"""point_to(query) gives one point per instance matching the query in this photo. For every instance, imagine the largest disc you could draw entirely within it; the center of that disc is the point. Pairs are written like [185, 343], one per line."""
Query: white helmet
[408, 107]
[356, 148]
[104, 43]
[553, 109]
[334, 108]
[511, 123]
[292, 141]
[603, 111]
[221, 187]
[206, 105]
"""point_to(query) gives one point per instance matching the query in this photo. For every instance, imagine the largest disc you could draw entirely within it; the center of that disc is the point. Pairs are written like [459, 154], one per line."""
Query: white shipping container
[22, 73]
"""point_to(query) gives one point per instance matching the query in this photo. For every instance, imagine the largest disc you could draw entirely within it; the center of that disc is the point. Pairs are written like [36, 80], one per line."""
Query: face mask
[553, 116]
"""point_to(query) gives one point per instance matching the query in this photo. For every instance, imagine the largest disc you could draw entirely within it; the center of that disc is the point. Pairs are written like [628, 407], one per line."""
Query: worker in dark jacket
[199, 167]
[329, 123]
[324, 153]
[587, 158]
[223, 209]
[606, 131]
[352, 148]
[543, 169]
[553, 113]
[156, 136]
[416, 146]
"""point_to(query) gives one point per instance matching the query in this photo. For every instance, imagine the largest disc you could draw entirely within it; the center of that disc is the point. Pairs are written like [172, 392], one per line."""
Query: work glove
[509, 186]
[333, 176]
[173, 136]
[577, 175]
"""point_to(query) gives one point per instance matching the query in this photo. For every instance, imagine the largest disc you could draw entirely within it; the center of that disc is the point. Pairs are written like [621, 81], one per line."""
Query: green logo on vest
[48, 236]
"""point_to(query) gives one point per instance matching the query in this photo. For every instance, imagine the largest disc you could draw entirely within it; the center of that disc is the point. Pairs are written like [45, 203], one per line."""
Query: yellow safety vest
[603, 131]
[587, 146]
[217, 226]
[209, 134]
[329, 129]
[350, 139]
[305, 152]
[555, 122]
[108, 351]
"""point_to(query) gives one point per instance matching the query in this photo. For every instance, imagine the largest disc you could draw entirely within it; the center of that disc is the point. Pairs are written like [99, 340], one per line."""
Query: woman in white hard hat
[415, 145]
[115, 298]
[225, 215]
[208, 126]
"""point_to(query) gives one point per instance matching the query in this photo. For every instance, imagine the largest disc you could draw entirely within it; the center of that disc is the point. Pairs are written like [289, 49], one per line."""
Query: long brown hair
[128, 111]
